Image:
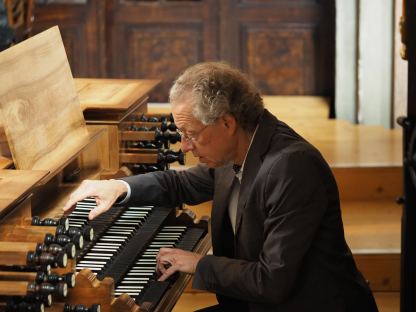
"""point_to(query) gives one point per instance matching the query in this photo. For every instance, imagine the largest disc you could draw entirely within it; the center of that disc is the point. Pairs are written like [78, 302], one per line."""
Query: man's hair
[216, 89]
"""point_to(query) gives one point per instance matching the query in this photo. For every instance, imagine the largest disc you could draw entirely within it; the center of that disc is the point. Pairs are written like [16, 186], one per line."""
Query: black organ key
[79, 216]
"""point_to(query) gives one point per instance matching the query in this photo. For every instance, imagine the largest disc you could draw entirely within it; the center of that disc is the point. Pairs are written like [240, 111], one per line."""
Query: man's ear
[229, 122]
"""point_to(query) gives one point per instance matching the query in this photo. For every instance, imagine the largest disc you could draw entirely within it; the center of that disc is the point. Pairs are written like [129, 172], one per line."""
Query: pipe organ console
[134, 138]
[51, 262]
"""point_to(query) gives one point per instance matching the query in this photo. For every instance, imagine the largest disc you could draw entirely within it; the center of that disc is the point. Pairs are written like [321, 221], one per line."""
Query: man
[277, 235]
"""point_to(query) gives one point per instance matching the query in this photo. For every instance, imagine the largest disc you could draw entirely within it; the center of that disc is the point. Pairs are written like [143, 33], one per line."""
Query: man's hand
[105, 193]
[171, 260]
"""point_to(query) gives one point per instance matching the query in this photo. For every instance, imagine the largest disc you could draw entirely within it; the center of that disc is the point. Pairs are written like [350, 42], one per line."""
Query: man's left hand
[171, 260]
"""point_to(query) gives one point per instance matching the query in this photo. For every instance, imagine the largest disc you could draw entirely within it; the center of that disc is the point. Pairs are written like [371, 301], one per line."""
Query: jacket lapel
[222, 233]
[254, 159]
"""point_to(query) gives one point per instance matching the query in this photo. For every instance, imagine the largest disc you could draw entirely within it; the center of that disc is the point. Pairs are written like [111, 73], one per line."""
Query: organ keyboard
[126, 244]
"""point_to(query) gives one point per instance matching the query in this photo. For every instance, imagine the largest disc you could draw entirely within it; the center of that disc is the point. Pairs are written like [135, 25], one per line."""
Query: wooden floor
[386, 301]
[367, 164]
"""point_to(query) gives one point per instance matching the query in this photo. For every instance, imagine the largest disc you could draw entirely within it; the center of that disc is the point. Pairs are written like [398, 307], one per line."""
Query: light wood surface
[143, 158]
[17, 276]
[194, 301]
[40, 110]
[4, 146]
[25, 247]
[13, 288]
[297, 107]
[372, 225]
[16, 184]
[115, 94]
[138, 135]
[388, 301]
[345, 144]
[12, 257]
[5, 162]
[382, 271]
[369, 183]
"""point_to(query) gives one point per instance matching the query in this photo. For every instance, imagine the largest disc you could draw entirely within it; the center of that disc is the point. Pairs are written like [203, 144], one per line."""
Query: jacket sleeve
[171, 188]
[295, 201]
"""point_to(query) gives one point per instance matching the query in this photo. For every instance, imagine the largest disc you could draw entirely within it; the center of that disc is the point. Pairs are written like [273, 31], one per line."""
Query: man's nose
[186, 145]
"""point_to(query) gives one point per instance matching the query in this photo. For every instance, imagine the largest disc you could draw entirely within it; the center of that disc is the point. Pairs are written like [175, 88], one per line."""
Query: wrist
[122, 190]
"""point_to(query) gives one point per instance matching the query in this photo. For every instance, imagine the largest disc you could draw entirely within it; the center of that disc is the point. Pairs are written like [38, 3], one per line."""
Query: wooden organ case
[51, 262]
[135, 139]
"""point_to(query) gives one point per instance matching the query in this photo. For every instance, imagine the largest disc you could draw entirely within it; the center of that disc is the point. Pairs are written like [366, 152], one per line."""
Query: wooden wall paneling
[280, 59]
[159, 40]
[283, 45]
[82, 29]
[287, 47]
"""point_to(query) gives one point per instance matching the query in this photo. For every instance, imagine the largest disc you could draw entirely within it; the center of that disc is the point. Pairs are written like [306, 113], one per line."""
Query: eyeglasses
[191, 138]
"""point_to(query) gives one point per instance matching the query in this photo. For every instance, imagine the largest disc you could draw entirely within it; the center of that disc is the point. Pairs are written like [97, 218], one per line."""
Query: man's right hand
[105, 192]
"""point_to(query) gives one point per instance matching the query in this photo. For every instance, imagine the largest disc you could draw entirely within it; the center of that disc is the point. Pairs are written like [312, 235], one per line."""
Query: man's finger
[167, 273]
[72, 202]
[161, 267]
[74, 198]
[102, 206]
[68, 207]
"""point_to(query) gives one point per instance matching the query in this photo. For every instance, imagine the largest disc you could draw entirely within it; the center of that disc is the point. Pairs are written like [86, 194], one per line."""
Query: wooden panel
[369, 182]
[109, 102]
[387, 301]
[4, 146]
[113, 94]
[159, 40]
[381, 270]
[372, 226]
[280, 59]
[15, 184]
[5, 162]
[38, 73]
[298, 107]
[287, 47]
[107, 147]
[346, 145]
[162, 53]
[82, 28]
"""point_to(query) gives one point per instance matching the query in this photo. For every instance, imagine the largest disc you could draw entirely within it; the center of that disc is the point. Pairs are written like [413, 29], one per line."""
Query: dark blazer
[289, 252]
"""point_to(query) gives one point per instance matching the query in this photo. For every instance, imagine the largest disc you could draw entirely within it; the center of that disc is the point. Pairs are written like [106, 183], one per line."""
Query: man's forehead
[183, 116]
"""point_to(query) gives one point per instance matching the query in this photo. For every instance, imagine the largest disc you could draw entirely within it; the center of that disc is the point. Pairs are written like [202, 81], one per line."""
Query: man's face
[214, 144]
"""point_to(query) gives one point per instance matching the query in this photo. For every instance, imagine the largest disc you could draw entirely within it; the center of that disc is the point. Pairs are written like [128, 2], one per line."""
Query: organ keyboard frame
[120, 266]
